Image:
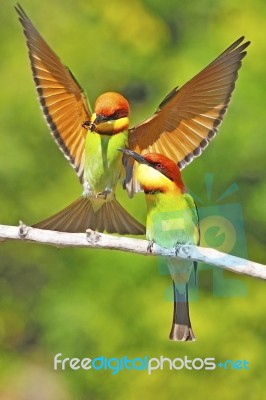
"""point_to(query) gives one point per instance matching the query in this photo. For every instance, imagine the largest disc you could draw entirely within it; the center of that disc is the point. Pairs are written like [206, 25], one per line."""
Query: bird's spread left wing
[62, 100]
[188, 118]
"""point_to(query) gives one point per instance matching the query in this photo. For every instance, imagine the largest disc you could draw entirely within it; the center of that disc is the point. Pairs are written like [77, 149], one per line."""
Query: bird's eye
[115, 115]
[118, 114]
[159, 166]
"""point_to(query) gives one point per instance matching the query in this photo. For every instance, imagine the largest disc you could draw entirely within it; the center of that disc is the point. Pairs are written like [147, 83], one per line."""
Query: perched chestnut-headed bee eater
[183, 125]
[172, 219]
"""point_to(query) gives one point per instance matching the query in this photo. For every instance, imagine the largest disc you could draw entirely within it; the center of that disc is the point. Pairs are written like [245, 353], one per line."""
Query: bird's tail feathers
[181, 327]
[82, 214]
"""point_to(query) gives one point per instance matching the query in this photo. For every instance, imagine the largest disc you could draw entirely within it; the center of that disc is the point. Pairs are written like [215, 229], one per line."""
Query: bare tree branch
[92, 239]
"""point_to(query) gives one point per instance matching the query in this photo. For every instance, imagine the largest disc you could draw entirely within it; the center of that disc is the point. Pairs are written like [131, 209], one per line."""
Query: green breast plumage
[172, 219]
[103, 163]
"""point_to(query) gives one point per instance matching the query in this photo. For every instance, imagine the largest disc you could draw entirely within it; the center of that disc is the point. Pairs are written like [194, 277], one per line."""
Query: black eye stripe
[115, 115]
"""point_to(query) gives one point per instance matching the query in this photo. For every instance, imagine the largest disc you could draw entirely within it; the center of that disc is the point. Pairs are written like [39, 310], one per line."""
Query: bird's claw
[178, 248]
[150, 246]
[103, 194]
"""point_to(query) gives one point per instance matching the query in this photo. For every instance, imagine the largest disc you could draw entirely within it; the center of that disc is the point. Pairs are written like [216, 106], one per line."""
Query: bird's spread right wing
[62, 100]
[188, 118]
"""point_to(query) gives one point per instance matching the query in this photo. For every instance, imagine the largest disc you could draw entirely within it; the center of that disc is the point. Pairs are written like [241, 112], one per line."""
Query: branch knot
[23, 230]
[93, 237]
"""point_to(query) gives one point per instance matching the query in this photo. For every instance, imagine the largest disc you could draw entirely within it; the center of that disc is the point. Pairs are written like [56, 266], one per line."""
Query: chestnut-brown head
[157, 172]
[112, 104]
[110, 114]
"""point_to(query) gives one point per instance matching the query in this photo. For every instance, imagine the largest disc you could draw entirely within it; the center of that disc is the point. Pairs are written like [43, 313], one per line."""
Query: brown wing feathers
[62, 99]
[209, 94]
[187, 119]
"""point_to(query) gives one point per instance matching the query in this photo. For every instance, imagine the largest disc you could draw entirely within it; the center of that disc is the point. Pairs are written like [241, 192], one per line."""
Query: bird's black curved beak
[139, 158]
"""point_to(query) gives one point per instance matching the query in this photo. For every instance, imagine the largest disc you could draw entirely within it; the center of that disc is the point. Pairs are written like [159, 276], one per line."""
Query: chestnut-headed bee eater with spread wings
[183, 125]
[172, 219]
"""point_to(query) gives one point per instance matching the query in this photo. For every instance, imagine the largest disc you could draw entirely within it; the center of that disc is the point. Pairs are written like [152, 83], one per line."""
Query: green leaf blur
[86, 303]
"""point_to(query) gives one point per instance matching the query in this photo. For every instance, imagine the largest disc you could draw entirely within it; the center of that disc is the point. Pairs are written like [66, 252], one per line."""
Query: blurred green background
[86, 303]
